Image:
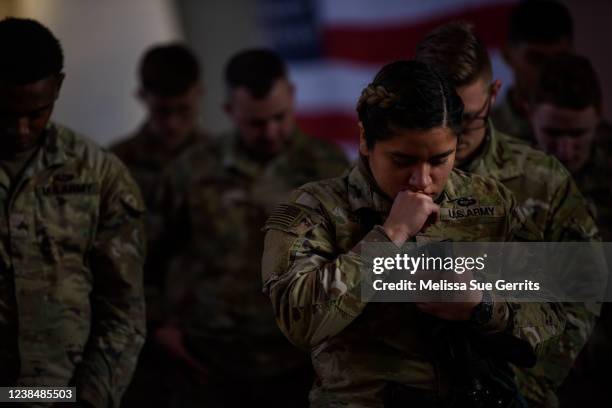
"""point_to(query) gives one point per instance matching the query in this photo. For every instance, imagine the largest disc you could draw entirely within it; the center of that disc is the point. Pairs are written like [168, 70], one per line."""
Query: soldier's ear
[363, 145]
[495, 87]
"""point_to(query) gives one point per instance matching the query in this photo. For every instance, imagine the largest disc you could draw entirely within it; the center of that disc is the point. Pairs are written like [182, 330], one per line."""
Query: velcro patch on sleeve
[291, 218]
[284, 215]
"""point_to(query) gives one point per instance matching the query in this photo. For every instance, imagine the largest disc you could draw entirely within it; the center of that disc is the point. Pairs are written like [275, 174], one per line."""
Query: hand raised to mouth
[411, 213]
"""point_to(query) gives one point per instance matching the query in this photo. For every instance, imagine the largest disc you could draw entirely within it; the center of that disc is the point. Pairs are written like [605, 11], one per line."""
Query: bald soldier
[224, 329]
[543, 187]
[403, 189]
[71, 237]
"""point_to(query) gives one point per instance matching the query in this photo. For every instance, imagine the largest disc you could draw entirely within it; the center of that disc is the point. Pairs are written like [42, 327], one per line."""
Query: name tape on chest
[476, 211]
[69, 188]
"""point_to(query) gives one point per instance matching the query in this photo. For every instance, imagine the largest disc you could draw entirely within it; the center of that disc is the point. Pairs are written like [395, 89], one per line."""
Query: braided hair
[408, 95]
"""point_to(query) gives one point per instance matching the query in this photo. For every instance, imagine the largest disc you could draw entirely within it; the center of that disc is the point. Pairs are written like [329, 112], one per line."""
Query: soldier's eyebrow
[35, 111]
[41, 109]
[405, 156]
[443, 155]
[401, 155]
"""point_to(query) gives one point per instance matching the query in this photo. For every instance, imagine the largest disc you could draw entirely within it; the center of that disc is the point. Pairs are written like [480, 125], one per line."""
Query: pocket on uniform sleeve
[133, 204]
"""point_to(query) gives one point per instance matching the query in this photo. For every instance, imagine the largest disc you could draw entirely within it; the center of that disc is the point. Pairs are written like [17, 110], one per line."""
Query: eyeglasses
[479, 120]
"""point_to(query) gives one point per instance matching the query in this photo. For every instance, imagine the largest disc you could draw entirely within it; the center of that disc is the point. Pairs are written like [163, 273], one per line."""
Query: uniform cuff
[385, 247]
[500, 317]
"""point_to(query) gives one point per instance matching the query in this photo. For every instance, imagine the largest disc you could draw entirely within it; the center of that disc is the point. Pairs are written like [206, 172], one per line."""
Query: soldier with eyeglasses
[544, 188]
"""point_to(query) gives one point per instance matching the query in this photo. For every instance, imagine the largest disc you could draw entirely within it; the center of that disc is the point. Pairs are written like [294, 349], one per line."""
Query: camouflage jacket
[147, 161]
[218, 199]
[311, 272]
[542, 186]
[71, 255]
[549, 197]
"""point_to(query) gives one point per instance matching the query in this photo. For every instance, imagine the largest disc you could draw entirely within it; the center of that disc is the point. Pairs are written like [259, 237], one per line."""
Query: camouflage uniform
[588, 383]
[146, 159]
[507, 120]
[545, 191]
[541, 185]
[71, 255]
[224, 197]
[311, 272]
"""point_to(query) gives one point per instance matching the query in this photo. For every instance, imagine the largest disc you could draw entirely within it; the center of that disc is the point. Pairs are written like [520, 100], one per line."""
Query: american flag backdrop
[335, 47]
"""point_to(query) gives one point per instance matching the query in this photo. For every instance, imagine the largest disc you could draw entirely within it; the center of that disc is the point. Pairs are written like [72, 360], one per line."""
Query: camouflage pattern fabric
[147, 160]
[587, 385]
[71, 255]
[544, 189]
[219, 198]
[311, 272]
[549, 197]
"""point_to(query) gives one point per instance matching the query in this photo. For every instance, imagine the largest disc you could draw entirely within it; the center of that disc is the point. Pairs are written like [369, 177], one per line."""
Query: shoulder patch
[285, 216]
[291, 218]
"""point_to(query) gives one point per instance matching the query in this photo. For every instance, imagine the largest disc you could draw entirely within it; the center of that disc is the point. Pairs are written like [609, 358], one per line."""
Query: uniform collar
[235, 157]
[55, 147]
[147, 151]
[54, 151]
[363, 192]
[486, 151]
[495, 158]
